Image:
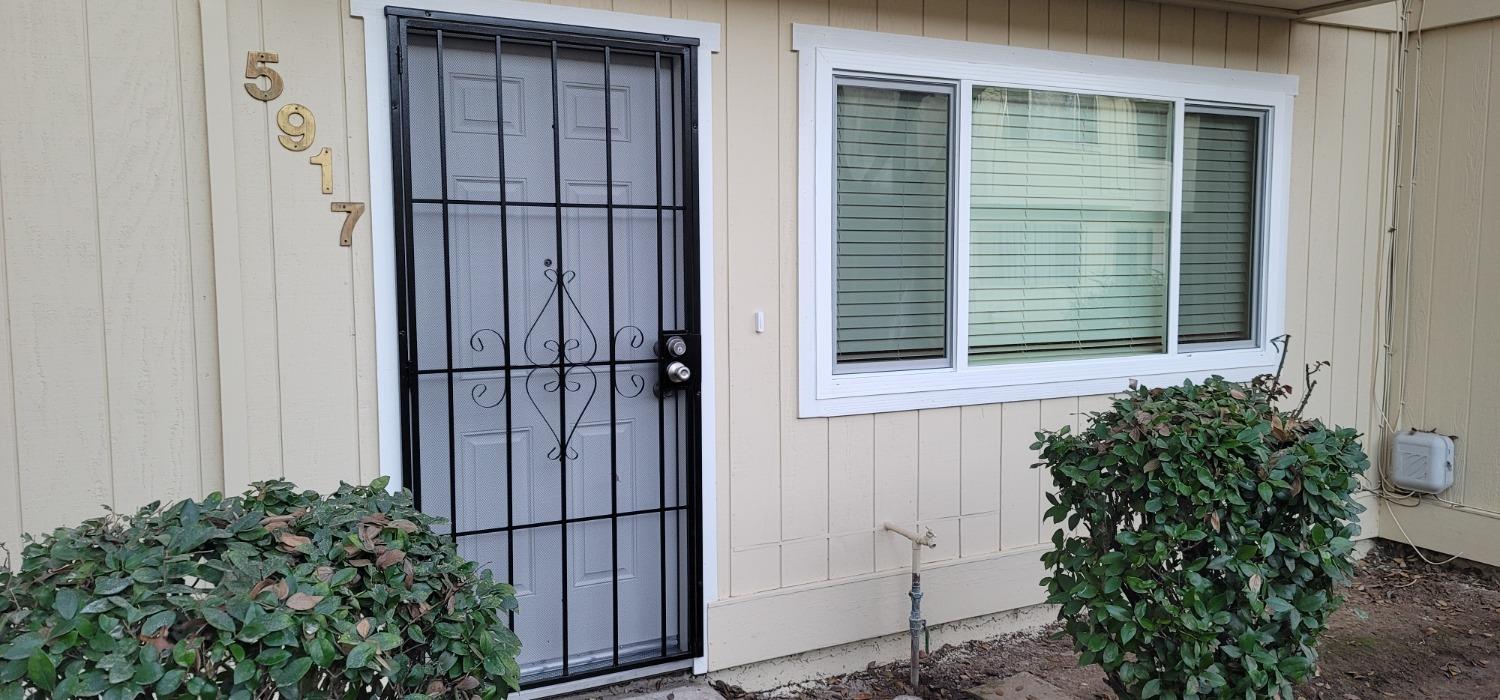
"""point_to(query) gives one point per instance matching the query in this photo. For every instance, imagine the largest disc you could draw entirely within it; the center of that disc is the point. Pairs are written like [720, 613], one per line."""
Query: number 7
[354, 211]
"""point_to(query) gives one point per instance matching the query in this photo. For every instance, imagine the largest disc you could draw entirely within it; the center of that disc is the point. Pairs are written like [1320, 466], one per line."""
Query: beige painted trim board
[795, 620]
[1462, 532]
[226, 238]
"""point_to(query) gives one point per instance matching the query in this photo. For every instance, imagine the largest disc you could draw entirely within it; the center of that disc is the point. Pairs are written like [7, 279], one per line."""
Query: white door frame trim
[383, 234]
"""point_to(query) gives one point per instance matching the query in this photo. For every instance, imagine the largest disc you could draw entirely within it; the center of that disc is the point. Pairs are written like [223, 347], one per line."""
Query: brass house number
[298, 131]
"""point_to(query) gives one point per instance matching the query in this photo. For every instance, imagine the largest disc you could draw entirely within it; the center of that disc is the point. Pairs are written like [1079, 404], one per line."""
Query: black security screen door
[549, 322]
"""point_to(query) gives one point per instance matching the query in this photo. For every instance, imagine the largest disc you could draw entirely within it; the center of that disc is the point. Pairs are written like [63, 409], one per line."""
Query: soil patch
[1408, 630]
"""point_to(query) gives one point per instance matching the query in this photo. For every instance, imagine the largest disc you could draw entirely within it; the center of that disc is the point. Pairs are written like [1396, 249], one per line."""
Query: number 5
[273, 88]
[354, 211]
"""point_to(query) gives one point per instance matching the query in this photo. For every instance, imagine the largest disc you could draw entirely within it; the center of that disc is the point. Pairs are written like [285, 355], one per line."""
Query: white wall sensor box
[1424, 462]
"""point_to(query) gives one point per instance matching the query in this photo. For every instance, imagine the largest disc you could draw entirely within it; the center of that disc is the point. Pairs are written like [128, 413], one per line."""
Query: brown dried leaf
[282, 589]
[1152, 466]
[323, 573]
[375, 519]
[359, 562]
[405, 525]
[290, 541]
[364, 627]
[411, 573]
[389, 557]
[467, 683]
[303, 601]
[437, 687]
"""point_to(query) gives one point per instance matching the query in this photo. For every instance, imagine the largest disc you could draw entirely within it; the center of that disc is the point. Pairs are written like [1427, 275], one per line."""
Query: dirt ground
[1408, 630]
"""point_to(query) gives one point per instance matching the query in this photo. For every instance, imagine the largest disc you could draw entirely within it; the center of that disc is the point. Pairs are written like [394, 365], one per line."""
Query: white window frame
[824, 52]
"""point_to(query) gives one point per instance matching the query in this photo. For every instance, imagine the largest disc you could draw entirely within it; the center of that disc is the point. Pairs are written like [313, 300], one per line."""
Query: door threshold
[582, 685]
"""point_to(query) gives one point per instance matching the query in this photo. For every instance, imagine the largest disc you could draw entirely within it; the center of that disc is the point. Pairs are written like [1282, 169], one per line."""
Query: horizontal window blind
[891, 230]
[1219, 205]
[1069, 225]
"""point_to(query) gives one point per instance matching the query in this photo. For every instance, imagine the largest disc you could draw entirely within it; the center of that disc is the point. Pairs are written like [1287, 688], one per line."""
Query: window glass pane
[1070, 219]
[891, 232]
[1219, 193]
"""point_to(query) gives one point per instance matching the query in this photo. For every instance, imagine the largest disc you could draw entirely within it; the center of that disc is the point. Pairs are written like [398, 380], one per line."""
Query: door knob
[679, 373]
[676, 346]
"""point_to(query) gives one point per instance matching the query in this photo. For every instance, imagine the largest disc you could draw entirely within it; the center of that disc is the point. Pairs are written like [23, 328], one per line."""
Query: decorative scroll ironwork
[560, 351]
[478, 392]
[634, 338]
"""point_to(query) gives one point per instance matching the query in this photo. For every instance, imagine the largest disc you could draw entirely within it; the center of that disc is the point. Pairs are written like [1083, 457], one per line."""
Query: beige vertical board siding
[851, 502]
[251, 135]
[1302, 62]
[979, 428]
[1482, 470]
[989, 21]
[1416, 301]
[194, 123]
[1020, 509]
[1028, 23]
[1458, 189]
[1323, 223]
[896, 484]
[939, 477]
[753, 381]
[1106, 31]
[1177, 25]
[754, 41]
[11, 525]
[1209, 38]
[804, 442]
[1451, 375]
[58, 335]
[1241, 41]
[1142, 27]
[145, 261]
[1340, 382]
[356, 188]
[945, 19]
[108, 373]
[312, 283]
[1372, 317]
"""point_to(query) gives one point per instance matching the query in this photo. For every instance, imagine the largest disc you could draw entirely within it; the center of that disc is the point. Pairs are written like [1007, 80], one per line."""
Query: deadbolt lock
[679, 360]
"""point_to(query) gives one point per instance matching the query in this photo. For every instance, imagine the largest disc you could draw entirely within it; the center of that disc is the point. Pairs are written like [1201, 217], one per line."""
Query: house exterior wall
[109, 387]
[139, 316]
[1444, 371]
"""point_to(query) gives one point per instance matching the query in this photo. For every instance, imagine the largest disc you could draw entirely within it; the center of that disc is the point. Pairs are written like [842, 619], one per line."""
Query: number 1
[324, 159]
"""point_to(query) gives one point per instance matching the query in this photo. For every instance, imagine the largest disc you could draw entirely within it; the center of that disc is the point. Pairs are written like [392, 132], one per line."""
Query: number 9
[299, 136]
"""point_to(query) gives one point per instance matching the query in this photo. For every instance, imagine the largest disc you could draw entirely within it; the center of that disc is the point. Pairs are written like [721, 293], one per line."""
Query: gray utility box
[1424, 462]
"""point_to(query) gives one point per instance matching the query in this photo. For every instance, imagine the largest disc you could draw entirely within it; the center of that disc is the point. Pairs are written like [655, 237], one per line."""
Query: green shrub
[278, 591]
[1207, 530]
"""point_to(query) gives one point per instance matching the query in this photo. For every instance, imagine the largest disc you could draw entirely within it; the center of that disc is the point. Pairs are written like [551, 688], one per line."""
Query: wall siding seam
[88, 76]
[10, 365]
[187, 239]
[340, 17]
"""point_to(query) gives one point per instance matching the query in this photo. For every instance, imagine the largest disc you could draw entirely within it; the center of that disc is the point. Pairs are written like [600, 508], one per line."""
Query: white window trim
[383, 239]
[824, 51]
